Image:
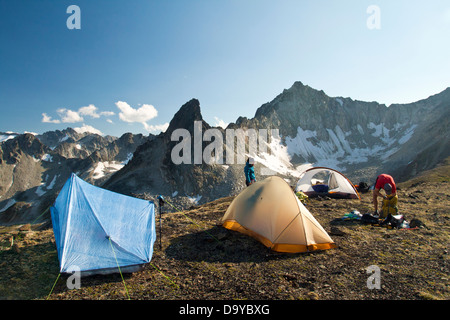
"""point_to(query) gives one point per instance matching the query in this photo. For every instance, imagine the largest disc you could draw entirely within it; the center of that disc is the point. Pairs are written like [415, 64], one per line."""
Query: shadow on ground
[222, 245]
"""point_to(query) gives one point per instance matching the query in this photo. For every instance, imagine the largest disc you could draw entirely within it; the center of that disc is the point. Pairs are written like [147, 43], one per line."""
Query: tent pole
[160, 229]
[161, 203]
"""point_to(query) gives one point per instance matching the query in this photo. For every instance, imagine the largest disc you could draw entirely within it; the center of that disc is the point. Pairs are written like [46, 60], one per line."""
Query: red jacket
[382, 179]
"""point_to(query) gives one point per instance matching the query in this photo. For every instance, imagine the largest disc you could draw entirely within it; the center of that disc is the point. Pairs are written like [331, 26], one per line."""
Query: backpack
[369, 219]
[394, 221]
[363, 187]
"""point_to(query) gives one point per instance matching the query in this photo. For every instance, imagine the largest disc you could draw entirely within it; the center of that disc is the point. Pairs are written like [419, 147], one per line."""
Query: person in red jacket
[387, 183]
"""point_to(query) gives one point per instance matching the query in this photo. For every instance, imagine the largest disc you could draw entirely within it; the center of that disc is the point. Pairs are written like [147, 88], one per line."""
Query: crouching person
[390, 199]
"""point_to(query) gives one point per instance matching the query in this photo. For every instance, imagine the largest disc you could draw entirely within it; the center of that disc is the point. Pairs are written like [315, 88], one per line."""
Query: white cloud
[89, 110]
[69, 116]
[47, 119]
[107, 113]
[156, 128]
[220, 123]
[87, 128]
[143, 114]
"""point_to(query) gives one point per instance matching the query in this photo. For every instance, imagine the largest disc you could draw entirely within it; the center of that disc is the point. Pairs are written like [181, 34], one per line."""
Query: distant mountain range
[33, 168]
[361, 139]
[356, 137]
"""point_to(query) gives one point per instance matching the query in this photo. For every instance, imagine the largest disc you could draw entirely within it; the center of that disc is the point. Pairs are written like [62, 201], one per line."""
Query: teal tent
[98, 231]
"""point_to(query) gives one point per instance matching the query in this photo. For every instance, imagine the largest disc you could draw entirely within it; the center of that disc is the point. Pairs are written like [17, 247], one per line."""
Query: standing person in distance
[249, 172]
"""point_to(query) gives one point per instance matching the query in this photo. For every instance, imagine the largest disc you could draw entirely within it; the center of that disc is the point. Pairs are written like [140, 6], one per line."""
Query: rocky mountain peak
[186, 116]
[127, 137]
[22, 144]
[360, 139]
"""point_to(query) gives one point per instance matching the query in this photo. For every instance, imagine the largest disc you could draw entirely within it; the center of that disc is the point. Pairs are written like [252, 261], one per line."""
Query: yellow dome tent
[270, 212]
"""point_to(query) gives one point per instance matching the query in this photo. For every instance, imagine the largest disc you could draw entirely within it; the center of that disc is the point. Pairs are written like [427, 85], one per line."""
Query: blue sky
[134, 63]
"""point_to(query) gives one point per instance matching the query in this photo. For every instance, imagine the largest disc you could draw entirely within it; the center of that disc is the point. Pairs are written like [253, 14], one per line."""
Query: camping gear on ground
[98, 231]
[396, 221]
[390, 222]
[320, 188]
[416, 223]
[389, 206]
[369, 219]
[302, 197]
[270, 212]
[337, 185]
[353, 215]
[363, 187]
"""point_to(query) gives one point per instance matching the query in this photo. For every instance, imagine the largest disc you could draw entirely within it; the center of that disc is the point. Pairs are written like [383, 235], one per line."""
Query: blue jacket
[249, 172]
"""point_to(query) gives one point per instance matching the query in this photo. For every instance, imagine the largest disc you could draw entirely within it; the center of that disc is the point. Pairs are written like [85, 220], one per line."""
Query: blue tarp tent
[96, 229]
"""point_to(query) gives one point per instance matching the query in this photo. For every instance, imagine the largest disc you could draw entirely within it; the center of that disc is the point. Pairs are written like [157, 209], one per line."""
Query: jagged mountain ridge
[152, 170]
[33, 168]
[350, 135]
[362, 139]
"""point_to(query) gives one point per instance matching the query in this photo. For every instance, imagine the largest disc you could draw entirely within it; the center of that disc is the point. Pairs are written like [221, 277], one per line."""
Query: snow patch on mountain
[128, 159]
[66, 137]
[276, 160]
[194, 199]
[9, 204]
[340, 150]
[40, 190]
[6, 137]
[105, 167]
[325, 153]
[52, 183]
[47, 157]
[407, 135]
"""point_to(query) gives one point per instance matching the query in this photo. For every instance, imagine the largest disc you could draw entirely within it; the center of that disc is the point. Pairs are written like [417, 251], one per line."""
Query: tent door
[332, 182]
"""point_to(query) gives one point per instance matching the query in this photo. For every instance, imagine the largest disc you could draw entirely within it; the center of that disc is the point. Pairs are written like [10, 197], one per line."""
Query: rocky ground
[200, 260]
